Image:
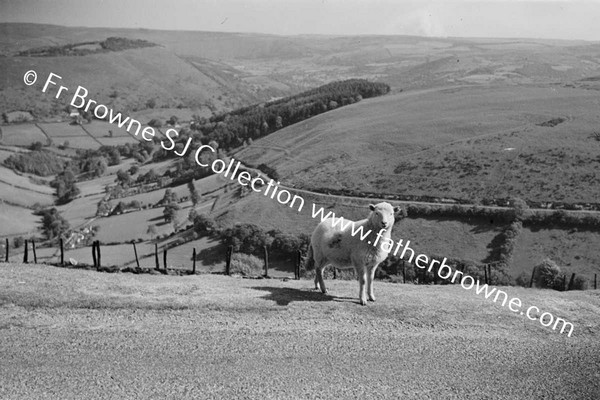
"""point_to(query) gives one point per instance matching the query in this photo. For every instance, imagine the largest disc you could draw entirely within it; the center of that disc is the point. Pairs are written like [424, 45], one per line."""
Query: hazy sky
[566, 19]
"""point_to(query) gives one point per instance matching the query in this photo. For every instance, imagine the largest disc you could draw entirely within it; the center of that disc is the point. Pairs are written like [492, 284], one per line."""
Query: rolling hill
[470, 119]
[469, 142]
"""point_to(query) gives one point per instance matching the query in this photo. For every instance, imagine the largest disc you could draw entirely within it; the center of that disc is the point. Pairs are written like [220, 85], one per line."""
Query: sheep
[332, 242]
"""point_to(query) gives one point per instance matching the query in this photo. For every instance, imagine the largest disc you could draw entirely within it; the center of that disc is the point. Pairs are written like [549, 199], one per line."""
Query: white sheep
[332, 242]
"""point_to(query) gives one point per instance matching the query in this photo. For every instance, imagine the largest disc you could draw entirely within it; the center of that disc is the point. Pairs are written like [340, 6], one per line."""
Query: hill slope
[470, 142]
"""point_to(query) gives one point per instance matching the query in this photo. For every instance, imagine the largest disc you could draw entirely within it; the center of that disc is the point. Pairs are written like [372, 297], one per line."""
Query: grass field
[22, 135]
[76, 142]
[133, 225]
[207, 336]
[574, 251]
[80, 210]
[17, 220]
[23, 197]
[211, 255]
[117, 141]
[465, 142]
[100, 129]
[62, 130]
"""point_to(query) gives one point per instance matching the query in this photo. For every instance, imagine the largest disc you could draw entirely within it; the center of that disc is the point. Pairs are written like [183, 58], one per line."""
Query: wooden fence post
[194, 261]
[532, 275]
[298, 263]
[98, 255]
[266, 258]
[228, 255]
[62, 252]
[94, 259]
[137, 260]
[34, 253]
[334, 273]
[571, 281]
[485, 274]
[165, 258]
[595, 282]
[564, 285]
[6, 250]
[156, 265]
[25, 253]
[490, 273]
[403, 271]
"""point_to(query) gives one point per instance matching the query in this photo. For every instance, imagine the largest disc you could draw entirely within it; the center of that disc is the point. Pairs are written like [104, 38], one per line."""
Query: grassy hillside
[212, 336]
[466, 142]
[230, 69]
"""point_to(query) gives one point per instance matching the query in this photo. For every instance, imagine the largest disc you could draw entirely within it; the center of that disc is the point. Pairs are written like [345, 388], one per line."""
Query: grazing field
[23, 197]
[464, 142]
[450, 238]
[466, 240]
[117, 141]
[22, 135]
[209, 336]
[80, 210]
[210, 255]
[62, 130]
[134, 225]
[17, 220]
[22, 180]
[96, 185]
[575, 251]
[76, 142]
[100, 129]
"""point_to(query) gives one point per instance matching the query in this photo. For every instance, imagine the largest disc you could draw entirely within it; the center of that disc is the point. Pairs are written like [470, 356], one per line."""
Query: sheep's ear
[371, 207]
[397, 209]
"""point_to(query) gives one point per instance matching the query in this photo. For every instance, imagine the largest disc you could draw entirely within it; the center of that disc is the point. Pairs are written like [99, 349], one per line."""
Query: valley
[473, 121]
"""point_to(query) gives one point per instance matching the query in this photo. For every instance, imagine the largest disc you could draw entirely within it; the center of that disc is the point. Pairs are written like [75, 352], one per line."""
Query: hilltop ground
[70, 334]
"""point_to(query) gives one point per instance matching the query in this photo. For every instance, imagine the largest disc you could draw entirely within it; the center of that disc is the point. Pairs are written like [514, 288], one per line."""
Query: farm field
[575, 251]
[97, 185]
[465, 142]
[22, 135]
[211, 255]
[100, 129]
[62, 129]
[133, 225]
[110, 254]
[17, 220]
[22, 180]
[80, 210]
[76, 142]
[23, 197]
[210, 336]
[117, 141]
[450, 238]
[5, 153]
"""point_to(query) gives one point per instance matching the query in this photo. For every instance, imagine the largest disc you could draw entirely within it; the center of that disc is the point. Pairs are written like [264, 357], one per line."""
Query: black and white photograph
[299, 199]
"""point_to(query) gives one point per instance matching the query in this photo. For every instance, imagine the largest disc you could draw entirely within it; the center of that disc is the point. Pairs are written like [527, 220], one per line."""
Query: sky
[563, 19]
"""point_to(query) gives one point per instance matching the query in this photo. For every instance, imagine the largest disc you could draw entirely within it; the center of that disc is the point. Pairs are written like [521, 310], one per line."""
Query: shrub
[246, 265]
[547, 275]
[204, 224]
[579, 283]
[523, 279]
[18, 241]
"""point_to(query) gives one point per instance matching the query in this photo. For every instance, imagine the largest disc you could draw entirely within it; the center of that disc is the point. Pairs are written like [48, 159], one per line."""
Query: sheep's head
[382, 215]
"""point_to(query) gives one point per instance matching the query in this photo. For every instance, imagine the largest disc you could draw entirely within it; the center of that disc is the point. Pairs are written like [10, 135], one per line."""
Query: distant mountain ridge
[85, 48]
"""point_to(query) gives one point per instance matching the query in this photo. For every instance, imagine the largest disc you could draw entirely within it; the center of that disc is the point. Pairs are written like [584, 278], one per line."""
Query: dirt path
[70, 334]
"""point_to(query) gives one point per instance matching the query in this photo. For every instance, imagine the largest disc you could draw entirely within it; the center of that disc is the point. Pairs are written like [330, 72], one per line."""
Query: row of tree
[233, 129]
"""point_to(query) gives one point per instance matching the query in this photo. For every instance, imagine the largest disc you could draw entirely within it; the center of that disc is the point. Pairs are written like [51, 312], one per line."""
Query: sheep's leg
[319, 282]
[362, 280]
[371, 277]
